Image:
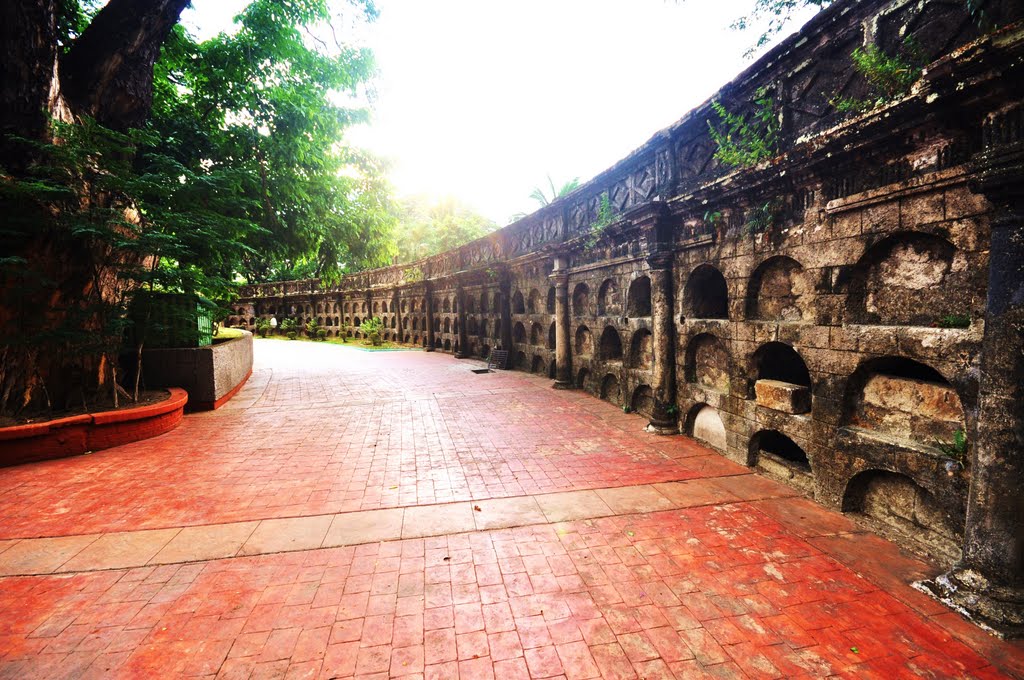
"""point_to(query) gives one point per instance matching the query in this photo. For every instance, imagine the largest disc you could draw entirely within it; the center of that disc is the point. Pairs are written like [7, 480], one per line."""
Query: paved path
[367, 515]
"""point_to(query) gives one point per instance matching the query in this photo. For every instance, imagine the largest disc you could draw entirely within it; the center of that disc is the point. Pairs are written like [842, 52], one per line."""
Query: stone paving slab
[325, 430]
[708, 591]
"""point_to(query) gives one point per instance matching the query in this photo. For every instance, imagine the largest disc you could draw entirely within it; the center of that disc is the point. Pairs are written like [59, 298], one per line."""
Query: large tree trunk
[106, 74]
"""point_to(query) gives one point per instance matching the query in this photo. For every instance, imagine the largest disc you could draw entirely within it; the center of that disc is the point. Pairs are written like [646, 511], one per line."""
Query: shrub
[292, 334]
[321, 333]
[371, 328]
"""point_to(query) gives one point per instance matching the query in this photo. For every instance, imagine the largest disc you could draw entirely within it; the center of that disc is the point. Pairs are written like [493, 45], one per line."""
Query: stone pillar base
[460, 355]
[999, 610]
[662, 427]
[563, 385]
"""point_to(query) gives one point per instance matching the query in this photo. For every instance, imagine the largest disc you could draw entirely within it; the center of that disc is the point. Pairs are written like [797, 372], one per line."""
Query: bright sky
[481, 100]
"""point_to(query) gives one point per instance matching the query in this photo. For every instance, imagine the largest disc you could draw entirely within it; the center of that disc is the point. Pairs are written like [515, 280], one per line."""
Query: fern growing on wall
[745, 141]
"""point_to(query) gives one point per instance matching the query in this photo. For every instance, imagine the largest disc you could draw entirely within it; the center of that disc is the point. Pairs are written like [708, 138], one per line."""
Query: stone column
[399, 314]
[505, 288]
[987, 583]
[563, 331]
[663, 420]
[460, 296]
[428, 300]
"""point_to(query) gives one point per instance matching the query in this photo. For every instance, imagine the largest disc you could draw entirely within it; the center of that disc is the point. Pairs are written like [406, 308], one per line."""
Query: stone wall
[837, 344]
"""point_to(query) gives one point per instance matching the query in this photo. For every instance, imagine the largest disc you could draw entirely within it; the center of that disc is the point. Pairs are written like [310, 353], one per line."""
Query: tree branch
[108, 73]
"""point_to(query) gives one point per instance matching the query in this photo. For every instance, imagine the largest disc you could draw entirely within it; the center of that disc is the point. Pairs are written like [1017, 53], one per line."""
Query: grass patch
[228, 334]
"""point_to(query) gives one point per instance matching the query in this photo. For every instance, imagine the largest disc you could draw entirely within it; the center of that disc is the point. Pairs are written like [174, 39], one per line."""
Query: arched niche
[485, 351]
[584, 344]
[638, 300]
[903, 399]
[405, 306]
[908, 279]
[551, 369]
[376, 307]
[611, 344]
[394, 321]
[522, 362]
[642, 401]
[551, 300]
[904, 507]
[483, 329]
[704, 424]
[778, 456]
[778, 290]
[608, 300]
[518, 304]
[447, 325]
[641, 350]
[551, 336]
[484, 302]
[534, 304]
[782, 381]
[348, 308]
[582, 378]
[446, 306]
[581, 300]
[707, 363]
[470, 304]
[536, 334]
[519, 332]
[538, 365]
[447, 345]
[610, 390]
[706, 295]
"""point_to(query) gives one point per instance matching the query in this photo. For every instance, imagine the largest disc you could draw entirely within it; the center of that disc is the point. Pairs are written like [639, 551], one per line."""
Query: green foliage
[288, 325]
[321, 333]
[762, 217]
[606, 216]
[312, 327]
[372, 328]
[888, 77]
[260, 103]
[263, 327]
[955, 450]
[292, 334]
[954, 321]
[745, 141]
[626, 408]
[712, 218]
[412, 275]
[777, 13]
[427, 227]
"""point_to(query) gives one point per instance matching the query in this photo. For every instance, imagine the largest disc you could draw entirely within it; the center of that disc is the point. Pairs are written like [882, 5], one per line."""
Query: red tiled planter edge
[90, 431]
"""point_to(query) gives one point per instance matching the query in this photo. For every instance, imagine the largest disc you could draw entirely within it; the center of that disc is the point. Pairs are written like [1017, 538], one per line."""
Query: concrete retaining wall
[211, 375]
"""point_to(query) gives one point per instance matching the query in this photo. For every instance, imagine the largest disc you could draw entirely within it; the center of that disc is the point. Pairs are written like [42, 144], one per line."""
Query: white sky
[480, 99]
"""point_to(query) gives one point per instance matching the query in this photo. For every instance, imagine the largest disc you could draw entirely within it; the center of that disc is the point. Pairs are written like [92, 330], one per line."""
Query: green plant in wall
[762, 217]
[290, 327]
[312, 327]
[954, 321]
[746, 140]
[263, 327]
[956, 450]
[889, 77]
[606, 216]
[371, 329]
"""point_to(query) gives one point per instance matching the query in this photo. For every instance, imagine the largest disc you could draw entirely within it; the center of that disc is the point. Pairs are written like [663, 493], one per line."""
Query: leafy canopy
[427, 227]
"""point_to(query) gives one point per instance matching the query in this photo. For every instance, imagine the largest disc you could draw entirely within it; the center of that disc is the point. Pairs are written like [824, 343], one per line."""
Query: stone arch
[638, 300]
[611, 345]
[518, 305]
[356, 322]
[533, 303]
[584, 342]
[522, 363]
[551, 369]
[907, 279]
[641, 349]
[551, 336]
[904, 399]
[519, 332]
[610, 389]
[582, 378]
[471, 326]
[405, 323]
[778, 290]
[392, 306]
[484, 302]
[608, 302]
[550, 307]
[455, 347]
[470, 304]
[778, 361]
[446, 306]
[437, 324]
[707, 362]
[405, 306]
[483, 329]
[642, 401]
[901, 505]
[394, 322]
[704, 423]
[538, 364]
[364, 307]
[779, 447]
[581, 300]
[447, 345]
[706, 295]
[536, 334]
[447, 325]
[376, 307]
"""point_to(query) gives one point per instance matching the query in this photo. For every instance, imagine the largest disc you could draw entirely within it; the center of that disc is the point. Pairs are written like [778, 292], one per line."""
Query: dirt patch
[99, 405]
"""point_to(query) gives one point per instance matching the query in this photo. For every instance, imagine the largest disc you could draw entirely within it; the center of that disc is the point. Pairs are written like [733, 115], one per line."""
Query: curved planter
[211, 375]
[76, 435]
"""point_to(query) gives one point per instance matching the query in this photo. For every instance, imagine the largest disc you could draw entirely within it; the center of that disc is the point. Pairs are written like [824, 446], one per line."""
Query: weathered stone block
[783, 396]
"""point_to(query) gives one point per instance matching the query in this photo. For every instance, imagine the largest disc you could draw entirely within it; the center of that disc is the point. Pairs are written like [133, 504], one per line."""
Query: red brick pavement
[320, 429]
[715, 591]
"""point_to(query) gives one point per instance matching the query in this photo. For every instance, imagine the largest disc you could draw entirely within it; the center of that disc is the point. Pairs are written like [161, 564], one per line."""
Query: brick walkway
[355, 514]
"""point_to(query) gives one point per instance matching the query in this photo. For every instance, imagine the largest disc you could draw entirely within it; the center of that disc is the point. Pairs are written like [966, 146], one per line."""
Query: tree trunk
[107, 74]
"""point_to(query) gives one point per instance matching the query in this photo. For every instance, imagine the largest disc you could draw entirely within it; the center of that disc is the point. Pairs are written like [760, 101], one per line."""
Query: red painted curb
[76, 435]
